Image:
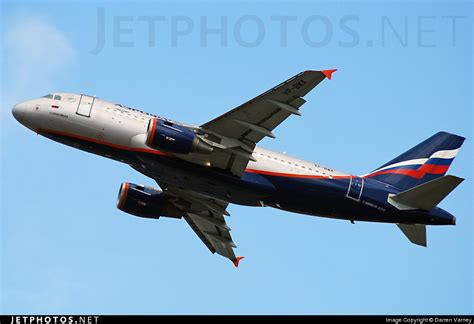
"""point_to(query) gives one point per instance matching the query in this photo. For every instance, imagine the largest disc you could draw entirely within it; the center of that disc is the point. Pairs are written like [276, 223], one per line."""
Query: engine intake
[169, 137]
[145, 202]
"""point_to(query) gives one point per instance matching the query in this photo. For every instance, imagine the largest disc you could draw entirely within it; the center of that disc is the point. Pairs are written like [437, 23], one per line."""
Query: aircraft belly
[328, 198]
[94, 148]
[211, 182]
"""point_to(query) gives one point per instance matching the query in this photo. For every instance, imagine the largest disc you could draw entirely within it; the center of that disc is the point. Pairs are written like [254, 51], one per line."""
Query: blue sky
[405, 72]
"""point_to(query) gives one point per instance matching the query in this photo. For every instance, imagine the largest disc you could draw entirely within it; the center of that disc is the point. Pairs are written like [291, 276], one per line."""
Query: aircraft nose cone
[18, 111]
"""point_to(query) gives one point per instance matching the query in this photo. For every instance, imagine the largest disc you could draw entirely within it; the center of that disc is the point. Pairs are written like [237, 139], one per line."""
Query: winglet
[237, 260]
[328, 73]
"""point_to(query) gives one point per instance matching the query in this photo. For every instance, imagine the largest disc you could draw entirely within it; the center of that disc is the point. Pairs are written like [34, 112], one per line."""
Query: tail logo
[437, 163]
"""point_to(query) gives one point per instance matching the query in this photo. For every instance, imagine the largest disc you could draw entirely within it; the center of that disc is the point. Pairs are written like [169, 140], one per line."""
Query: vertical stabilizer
[427, 161]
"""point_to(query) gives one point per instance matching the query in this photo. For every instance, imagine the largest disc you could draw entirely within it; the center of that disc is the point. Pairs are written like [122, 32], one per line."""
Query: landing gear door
[85, 105]
[356, 185]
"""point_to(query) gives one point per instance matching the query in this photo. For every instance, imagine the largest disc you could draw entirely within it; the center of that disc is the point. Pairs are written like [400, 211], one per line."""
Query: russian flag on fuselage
[424, 162]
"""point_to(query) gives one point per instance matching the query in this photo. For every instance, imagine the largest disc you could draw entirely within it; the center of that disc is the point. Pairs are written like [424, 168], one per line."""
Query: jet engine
[169, 137]
[145, 202]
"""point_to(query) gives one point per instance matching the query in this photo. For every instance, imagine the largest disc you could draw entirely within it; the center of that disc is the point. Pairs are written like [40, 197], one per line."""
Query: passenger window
[56, 97]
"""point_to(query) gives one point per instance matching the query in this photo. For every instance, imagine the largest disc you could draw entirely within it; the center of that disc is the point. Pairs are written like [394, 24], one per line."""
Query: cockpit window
[56, 97]
[49, 96]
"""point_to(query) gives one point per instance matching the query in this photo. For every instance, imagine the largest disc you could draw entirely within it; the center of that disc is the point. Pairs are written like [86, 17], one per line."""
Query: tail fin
[427, 161]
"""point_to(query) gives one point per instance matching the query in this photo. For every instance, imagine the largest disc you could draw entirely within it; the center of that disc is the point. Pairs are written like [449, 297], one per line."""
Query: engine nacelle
[169, 137]
[145, 202]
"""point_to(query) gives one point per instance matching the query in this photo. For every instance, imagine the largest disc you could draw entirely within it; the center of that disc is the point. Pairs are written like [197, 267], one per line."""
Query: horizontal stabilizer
[425, 196]
[416, 233]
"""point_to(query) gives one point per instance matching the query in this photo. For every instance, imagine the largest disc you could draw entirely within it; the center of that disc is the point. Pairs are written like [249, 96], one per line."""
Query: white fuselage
[120, 126]
[272, 179]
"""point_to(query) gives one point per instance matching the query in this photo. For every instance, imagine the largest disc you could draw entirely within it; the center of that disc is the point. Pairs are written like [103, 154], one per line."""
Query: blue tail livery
[427, 161]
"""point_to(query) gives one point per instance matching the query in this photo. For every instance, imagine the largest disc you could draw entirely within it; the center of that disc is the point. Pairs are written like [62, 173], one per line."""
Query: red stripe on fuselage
[144, 150]
[93, 140]
[295, 175]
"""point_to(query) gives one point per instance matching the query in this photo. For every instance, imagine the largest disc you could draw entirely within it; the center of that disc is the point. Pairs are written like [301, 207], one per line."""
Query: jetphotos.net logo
[281, 31]
[54, 320]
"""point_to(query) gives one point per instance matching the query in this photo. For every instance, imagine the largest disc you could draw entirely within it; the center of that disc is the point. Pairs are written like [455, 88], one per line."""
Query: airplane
[203, 169]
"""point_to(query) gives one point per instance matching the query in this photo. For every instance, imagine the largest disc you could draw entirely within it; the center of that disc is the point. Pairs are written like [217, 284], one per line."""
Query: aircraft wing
[205, 215]
[240, 129]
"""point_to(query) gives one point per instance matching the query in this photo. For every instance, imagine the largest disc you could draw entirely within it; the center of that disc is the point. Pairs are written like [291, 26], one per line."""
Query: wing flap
[199, 233]
[205, 216]
[215, 238]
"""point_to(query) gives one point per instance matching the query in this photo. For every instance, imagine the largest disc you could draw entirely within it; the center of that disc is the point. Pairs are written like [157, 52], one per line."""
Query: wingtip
[237, 260]
[328, 73]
